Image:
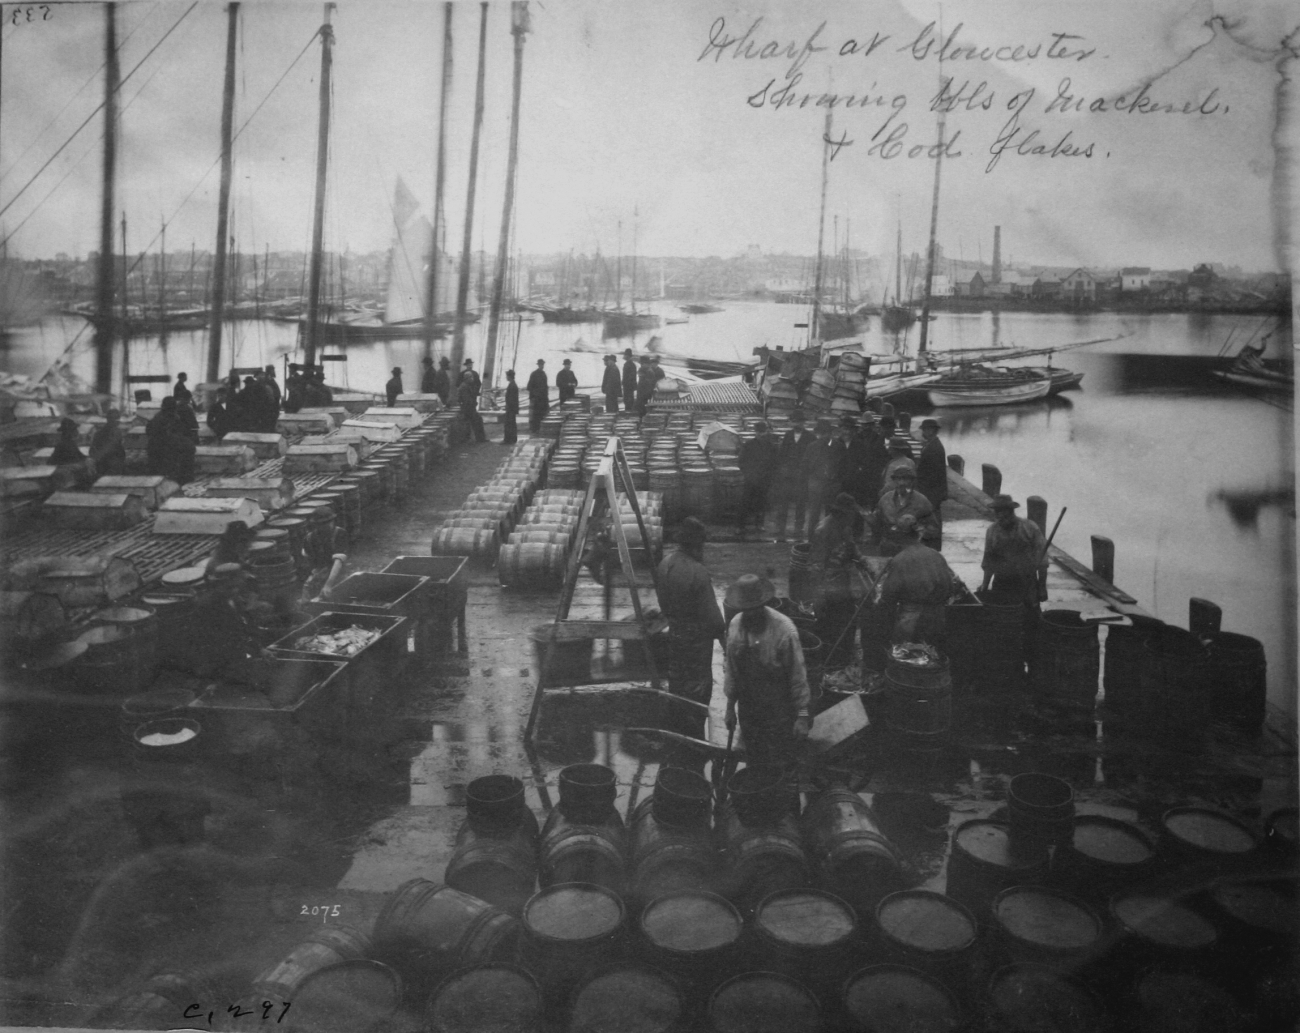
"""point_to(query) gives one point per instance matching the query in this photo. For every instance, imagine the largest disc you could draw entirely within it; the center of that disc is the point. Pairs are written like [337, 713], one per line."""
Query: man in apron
[766, 683]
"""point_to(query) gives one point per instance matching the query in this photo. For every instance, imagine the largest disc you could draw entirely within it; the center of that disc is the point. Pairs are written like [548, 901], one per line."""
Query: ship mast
[814, 327]
[223, 200]
[439, 181]
[462, 287]
[322, 158]
[104, 274]
[929, 252]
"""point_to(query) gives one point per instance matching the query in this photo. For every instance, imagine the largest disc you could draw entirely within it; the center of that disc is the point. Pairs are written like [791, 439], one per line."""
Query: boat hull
[946, 396]
[570, 315]
[620, 323]
[1257, 381]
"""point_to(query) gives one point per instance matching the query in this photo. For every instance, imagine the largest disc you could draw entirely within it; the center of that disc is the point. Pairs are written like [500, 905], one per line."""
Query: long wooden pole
[104, 274]
[462, 288]
[322, 163]
[814, 324]
[929, 252]
[223, 199]
[519, 28]
[439, 185]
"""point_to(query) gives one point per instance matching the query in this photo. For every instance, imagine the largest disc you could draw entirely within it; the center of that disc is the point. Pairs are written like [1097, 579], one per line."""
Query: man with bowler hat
[566, 382]
[394, 386]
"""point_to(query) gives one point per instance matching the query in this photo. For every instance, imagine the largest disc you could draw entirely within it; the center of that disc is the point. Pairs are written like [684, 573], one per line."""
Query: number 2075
[326, 911]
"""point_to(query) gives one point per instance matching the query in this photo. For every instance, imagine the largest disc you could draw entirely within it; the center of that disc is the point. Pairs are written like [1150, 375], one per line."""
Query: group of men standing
[252, 404]
[636, 384]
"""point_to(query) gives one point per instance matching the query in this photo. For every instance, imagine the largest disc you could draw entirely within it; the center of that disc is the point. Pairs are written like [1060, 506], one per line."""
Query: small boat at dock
[985, 385]
[700, 309]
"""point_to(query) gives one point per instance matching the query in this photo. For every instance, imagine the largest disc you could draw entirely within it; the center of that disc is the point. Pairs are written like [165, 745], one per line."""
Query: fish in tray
[344, 642]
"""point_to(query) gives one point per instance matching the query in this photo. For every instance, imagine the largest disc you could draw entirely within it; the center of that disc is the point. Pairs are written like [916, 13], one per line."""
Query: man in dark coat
[218, 418]
[254, 401]
[170, 449]
[189, 421]
[428, 378]
[68, 456]
[442, 381]
[610, 384]
[467, 396]
[758, 464]
[295, 385]
[872, 458]
[468, 373]
[539, 397]
[900, 499]
[645, 386]
[1015, 566]
[629, 380]
[512, 409]
[823, 461]
[932, 469]
[108, 447]
[273, 389]
[792, 476]
[180, 392]
[835, 571]
[565, 382]
[394, 387]
[914, 589]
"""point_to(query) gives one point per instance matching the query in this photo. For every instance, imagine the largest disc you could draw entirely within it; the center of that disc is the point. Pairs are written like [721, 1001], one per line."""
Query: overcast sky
[647, 107]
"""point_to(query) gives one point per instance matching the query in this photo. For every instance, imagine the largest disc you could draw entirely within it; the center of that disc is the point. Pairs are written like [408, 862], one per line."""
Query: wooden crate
[93, 511]
[264, 446]
[154, 489]
[27, 480]
[204, 516]
[363, 445]
[372, 430]
[269, 493]
[304, 423]
[421, 402]
[403, 416]
[304, 459]
[215, 460]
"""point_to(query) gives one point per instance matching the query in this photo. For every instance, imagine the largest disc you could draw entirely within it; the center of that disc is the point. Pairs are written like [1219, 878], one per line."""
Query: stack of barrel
[490, 512]
[665, 477]
[850, 380]
[651, 505]
[273, 568]
[536, 553]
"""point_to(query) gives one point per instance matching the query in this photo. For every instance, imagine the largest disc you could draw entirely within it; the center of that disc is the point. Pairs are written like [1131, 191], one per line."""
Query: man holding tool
[1015, 565]
[835, 566]
[914, 590]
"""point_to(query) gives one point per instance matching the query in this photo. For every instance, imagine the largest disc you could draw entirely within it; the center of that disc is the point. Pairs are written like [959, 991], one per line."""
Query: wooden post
[1204, 618]
[223, 199]
[957, 464]
[318, 218]
[104, 278]
[1036, 510]
[991, 479]
[1103, 558]
[462, 287]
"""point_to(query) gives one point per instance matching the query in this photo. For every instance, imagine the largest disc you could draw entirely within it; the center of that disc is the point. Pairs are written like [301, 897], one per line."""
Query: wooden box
[81, 581]
[304, 423]
[364, 446]
[153, 490]
[264, 446]
[421, 403]
[329, 458]
[204, 516]
[91, 511]
[403, 416]
[223, 459]
[354, 401]
[269, 493]
[27, 480]
[373, 430]
[337, 413]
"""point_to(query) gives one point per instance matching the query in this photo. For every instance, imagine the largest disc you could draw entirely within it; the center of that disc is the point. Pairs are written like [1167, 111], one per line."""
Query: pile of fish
[918, 654]
[344, 642]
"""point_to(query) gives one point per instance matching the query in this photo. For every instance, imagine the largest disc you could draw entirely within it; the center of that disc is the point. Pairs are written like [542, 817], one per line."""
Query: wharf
[297, 824]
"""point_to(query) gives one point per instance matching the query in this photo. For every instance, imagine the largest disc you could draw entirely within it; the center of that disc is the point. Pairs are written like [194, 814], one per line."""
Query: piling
[990, 480]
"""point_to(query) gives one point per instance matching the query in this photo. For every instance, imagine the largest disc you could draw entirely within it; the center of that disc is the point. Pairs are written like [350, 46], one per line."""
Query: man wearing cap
[629, 380]
[896, 501]
[394, 386]
[822, 460]
[1015, 564]
[914, 589]
[895, 442]
[765, 680]
[539, 402]
[467, 396]
[511, 434]
[565, 382]
[792, 476]
[610, 384]
[694, 621]
[932, 469]
[758, 465]
[835, 567]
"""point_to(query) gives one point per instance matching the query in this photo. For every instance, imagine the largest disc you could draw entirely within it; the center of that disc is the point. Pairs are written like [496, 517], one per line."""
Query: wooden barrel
[532, 565]
[694, 936]
[760, 860]
[1174, 703]
[383, 490]
[625, 997]
[463, 541]
[728, 487]
[1041, 926]
[570, 929]
[983, 862]
[152, 706]
[426, 931]
[763, 1002]
[889, 998]
[809, 935]
[1102, 857]
[918, 702]
[668, 858]
[319, 949]
[587, 791]
[499, 867]
[351, 997]
[497, 998]
[1000, 661]
[1238, 680]
[852, 856]
[1030, 997]
[541, 534]
[801, 588]
[142, 625]
[1067, 666]
[1259, 922]
[580, 851]
[274, 539]
[760, 795]
[1041, 810]
[174, 614]
[930, 932]
[1198, 835]
[682, 798]
[297, 528]
[371, 483]
[1154, 929]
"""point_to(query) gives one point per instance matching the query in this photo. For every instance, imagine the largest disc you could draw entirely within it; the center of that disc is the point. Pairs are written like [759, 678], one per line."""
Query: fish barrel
[174, 613]
[809, 935]
[1166, 1002]
[760, 860]
[1174, 699]
[570, 659]
[763, 1002]
[152, 706]
[570, 929]
[627, 997]
[1153, 929]
[694, 936]
[1036, 925]
[761, 795]
[1238, 679]
[1000, 661]
[895, 997]
[1102, 857]
[668, 858]
[320, 949]
[984, 861]
[918, 702]
[499, 867]
[587, 791]
[852, 857]
[495, 998]
[576, 851]
[459, 541]
[1197, 835]
[965, 640]
[160, 1004]
[927, 931]
[1041, 810]
[1031, 997]
[496, 802]
[1068, 662]
[351, 997]
[141, 624]
[1122, 663]
[1259, 922]
[426, 931]
[532, 565]
[540, 534]
[682, 798]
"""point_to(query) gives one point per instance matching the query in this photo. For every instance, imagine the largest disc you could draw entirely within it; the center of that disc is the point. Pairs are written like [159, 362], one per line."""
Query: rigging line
[98, 108]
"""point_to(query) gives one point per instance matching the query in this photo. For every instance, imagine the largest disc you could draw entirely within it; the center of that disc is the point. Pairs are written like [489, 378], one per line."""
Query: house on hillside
[1079, 288]
[1134, 278]
[975, 287]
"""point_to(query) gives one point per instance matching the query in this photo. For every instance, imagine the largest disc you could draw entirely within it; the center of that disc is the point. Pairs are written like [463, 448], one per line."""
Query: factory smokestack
[997, 255]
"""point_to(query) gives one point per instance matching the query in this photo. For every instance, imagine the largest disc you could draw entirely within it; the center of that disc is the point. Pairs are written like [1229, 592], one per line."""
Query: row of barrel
[490, 512]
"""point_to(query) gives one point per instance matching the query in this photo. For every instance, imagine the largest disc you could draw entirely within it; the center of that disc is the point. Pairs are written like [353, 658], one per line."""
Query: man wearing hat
[865, 461]
[914, 589]
[629, 380]
[511, 434]
[835, 567]
[758, 465]
[565, 382]
[645, 385]
[108, 448]
[273, 389]
[686, 599]
[468, 373]
[394, 386]
[539, 400]
[467, 396]
[442, 380]
[792, 476]
[822, 460]
[765, 678]
[1015, 564]
[896, 501]
[932, 469]
[428, 376]
[610, 384]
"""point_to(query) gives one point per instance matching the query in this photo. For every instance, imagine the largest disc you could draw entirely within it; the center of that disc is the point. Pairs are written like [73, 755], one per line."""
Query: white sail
[407, 272]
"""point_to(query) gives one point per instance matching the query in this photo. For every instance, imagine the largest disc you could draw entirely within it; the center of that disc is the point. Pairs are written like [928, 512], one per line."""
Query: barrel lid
[287, 522]
[805, 918]
[103, 635]
[346, 997]
[763, 1002]
[1185, 1001]
[690, 922]
[257, 548]
[485, 997]
[926, 920]
[1164, 921]
[626, 999]
[124, 615]
[894, 999]
[990, 842]
[1257, 905]
[273, 534]
[1034, 999]
[184, 576]
[1209, 830]
[1046, 918]
[1110, 841]
[573, 911]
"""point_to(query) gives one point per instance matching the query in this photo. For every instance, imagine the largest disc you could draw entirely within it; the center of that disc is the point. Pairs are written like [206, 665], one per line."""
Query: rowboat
[1248, 370]
[980, 385]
